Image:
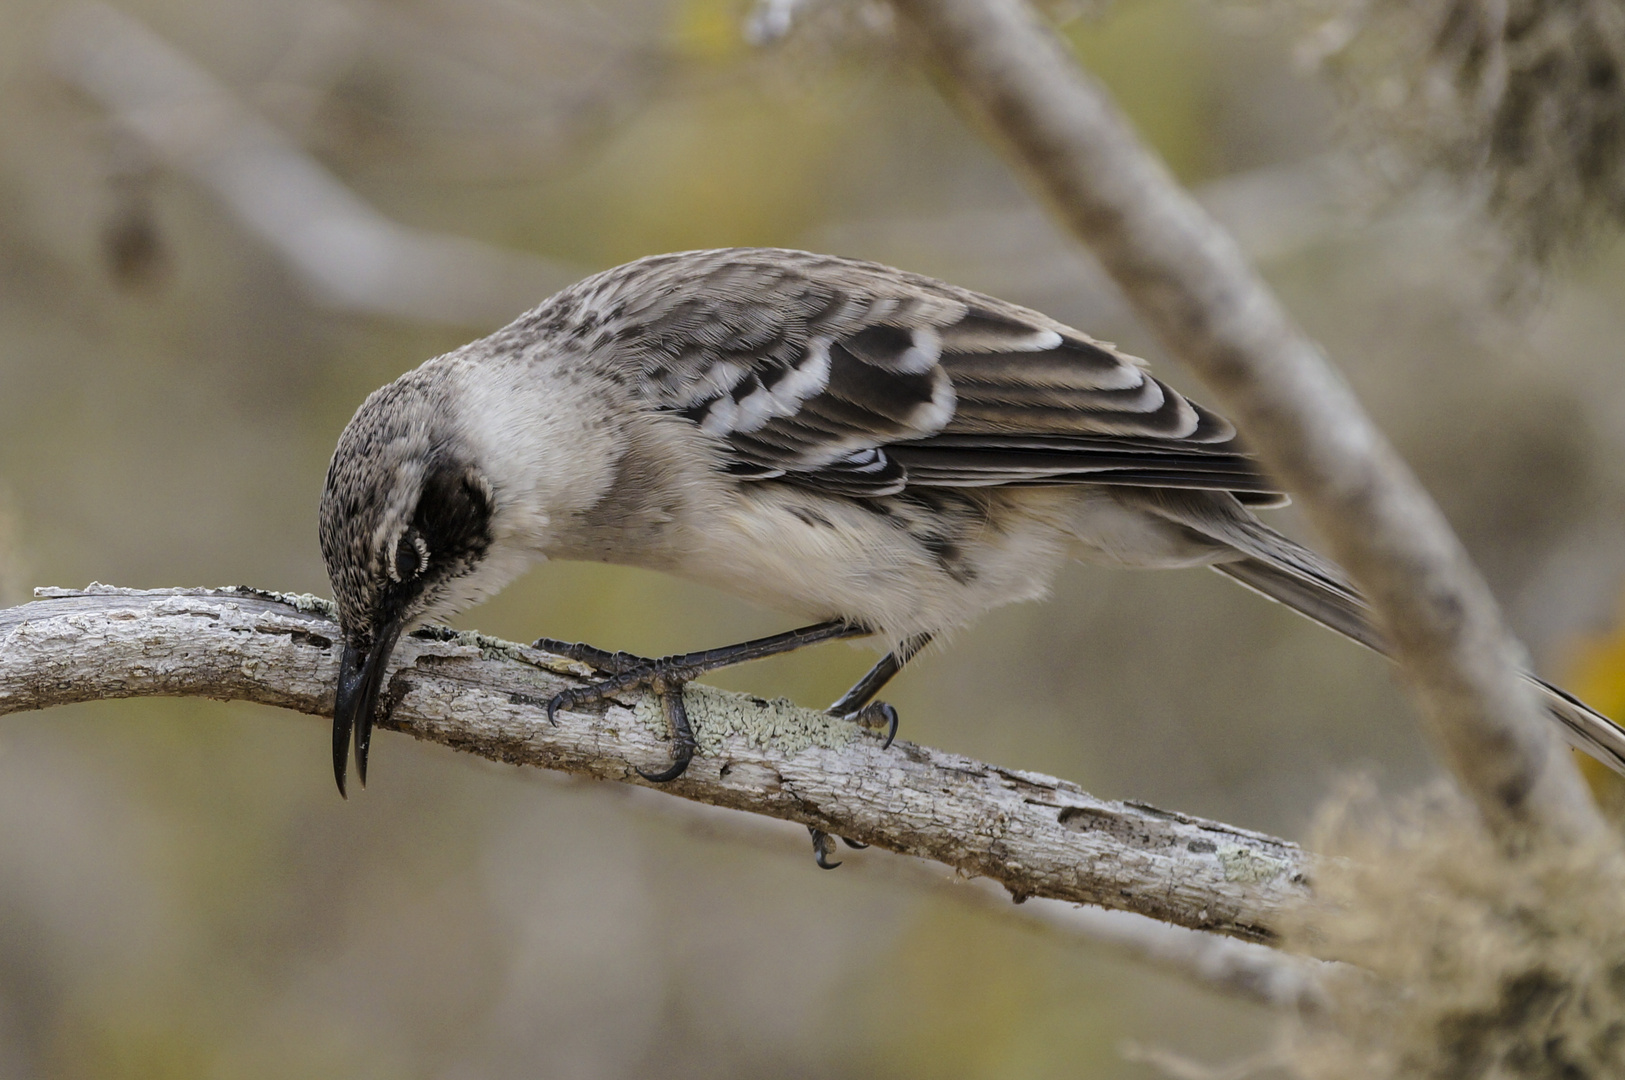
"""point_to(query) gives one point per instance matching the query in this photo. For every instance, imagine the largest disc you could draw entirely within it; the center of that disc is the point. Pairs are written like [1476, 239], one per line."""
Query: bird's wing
[861, 380]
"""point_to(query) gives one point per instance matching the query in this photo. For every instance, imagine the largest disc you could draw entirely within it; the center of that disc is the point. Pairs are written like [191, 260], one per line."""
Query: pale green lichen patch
[1248, 866]
[310, 604]
[778, 724]
[491, 648]
[305, 603]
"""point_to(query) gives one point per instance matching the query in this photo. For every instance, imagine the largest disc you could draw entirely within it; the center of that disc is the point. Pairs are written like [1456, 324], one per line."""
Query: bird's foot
[683, 745]
[824, 846]
[876, 715]
[666, 677]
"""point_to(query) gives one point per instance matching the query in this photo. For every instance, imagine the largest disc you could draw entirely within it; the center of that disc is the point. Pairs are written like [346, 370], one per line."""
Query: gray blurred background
[222, 224]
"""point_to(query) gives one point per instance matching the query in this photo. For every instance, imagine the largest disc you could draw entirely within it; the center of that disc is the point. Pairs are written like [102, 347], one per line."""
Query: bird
[882, 452]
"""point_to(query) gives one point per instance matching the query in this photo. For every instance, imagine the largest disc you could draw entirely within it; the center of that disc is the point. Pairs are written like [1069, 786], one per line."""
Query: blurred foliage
[733, 169]
[1014, 1017]
[709, 31]
[1521, 102]
[181, 892]
[1154, 56]
[1462, 957]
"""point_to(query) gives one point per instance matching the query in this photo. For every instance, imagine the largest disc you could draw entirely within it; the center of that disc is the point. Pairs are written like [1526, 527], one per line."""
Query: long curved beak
[356, 699]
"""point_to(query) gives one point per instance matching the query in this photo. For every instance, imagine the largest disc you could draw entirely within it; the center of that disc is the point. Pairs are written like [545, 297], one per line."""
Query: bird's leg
[668, 675]
[857, 705]
[610, 663]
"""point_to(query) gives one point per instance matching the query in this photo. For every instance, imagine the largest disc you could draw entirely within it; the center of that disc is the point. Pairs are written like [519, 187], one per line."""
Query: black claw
[682, 736]
[891, 725]
[554, 704]
[681, 756]
[823, 845]
[876, 714]
[856, 845]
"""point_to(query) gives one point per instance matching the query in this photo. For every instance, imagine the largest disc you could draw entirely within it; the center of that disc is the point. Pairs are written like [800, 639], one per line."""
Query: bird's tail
[1291, 574]
[1327, 604]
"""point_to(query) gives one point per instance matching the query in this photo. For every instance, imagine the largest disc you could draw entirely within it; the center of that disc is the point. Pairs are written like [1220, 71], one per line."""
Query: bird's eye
[411, 556]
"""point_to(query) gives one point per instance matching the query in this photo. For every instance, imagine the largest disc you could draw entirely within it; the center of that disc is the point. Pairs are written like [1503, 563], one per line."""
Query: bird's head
[406, 527]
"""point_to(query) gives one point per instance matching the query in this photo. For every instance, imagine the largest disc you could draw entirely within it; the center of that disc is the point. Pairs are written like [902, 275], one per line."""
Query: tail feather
[1582, 727]
[1291, 574]
[1333, 610]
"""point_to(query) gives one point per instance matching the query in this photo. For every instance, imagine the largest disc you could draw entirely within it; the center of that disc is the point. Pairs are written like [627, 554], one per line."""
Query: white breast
[824, 557]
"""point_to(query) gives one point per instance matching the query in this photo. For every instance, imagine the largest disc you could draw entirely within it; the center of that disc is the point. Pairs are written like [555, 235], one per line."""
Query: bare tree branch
[1033, 834]
[1195, 289]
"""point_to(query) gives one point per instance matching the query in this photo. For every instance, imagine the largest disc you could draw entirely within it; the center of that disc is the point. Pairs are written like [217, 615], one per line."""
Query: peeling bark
[1035, 835]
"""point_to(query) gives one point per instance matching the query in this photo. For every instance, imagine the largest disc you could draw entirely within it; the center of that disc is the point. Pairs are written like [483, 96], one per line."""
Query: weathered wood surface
[1034, 834]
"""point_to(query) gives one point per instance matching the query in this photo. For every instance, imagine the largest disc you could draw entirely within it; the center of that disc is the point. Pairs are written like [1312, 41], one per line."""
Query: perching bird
[882, 452]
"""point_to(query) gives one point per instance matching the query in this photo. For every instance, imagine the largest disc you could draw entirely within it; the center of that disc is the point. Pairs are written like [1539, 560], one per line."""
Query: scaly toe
[823, 846]
[876, 715]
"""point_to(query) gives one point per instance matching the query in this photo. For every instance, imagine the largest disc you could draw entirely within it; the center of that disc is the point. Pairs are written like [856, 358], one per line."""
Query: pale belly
[926, 562]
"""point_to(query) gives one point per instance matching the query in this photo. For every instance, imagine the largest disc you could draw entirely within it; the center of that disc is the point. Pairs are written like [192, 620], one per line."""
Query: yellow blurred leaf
[709, 31]
[1596, 673]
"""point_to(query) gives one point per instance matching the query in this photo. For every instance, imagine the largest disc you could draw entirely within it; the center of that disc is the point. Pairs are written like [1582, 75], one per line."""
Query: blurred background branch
[347, 253]
[1193, 286]
[1035, 835]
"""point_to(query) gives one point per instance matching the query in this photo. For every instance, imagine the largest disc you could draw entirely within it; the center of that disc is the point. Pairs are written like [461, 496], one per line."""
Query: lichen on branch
[1035, 835]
